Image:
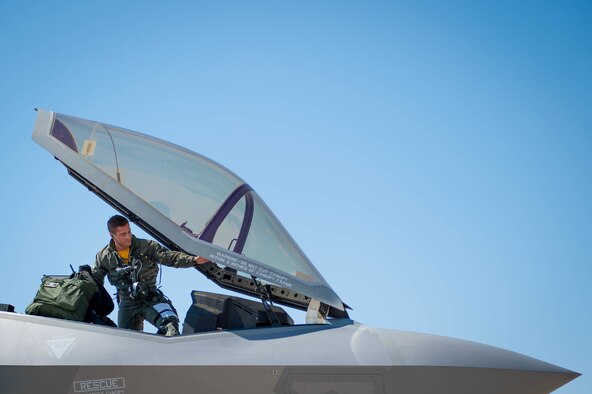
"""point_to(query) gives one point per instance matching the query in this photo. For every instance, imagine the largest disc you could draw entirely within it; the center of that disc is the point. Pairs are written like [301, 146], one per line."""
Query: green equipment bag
[64, 297]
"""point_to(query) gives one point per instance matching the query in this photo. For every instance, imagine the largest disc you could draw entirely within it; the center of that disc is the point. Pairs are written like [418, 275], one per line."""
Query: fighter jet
[230, 344]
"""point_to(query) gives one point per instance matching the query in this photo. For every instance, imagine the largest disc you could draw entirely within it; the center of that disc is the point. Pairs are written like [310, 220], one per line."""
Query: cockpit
[193, 204]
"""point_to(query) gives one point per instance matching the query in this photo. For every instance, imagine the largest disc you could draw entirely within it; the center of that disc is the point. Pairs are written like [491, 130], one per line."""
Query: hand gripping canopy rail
[192, 204]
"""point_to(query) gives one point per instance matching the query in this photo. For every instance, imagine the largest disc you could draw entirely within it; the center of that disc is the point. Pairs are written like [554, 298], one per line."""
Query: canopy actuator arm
[265, 296]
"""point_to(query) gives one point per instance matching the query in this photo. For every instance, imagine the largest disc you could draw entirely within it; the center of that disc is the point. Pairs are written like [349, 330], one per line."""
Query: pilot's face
[122, 236]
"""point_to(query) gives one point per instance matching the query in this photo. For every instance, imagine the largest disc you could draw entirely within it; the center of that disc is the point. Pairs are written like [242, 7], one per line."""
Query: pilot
[131, 265]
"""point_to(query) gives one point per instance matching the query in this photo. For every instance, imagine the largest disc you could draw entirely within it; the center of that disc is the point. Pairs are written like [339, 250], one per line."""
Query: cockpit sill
[254, 333]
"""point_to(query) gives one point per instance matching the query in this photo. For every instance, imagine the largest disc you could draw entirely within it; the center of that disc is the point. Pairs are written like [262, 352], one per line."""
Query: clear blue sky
[433, 159]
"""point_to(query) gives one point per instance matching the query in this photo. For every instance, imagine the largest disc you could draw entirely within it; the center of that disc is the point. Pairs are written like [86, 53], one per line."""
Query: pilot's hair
[116, 221]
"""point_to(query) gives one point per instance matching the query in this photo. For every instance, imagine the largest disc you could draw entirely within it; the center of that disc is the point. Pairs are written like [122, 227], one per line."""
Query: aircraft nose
[454, 365]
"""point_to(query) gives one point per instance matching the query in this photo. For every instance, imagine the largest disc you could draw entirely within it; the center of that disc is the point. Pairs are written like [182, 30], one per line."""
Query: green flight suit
[134, 310]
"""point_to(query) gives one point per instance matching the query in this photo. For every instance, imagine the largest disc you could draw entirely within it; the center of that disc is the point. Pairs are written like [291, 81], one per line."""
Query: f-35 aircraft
[230, 344]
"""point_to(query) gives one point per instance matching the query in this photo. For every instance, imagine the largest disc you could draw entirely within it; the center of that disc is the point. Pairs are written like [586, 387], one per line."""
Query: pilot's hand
[198, 260]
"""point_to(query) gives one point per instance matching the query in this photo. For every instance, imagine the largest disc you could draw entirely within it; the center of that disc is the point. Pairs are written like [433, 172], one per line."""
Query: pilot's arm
[99, 271]
[173, 258]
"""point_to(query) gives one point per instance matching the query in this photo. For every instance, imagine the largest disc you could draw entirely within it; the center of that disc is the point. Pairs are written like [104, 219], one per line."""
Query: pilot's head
[120, 232]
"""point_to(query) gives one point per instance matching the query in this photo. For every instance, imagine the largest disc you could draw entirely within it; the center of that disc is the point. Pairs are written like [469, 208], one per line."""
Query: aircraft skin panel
[273, 379]
[266, 359]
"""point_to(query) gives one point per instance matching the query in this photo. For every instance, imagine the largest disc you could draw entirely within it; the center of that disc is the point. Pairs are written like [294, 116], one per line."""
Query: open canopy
[189, 203]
